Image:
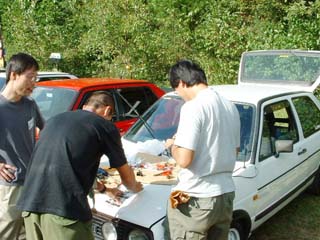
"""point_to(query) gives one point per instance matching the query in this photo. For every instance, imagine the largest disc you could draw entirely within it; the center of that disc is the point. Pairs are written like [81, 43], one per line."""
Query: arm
[113, 193]
[183, 156]
[128, 179]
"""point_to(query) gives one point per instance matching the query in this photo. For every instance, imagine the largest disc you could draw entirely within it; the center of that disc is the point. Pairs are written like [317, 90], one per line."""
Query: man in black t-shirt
[63, 168]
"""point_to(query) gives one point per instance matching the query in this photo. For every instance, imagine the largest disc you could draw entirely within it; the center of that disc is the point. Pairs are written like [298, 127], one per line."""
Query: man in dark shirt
[19, 120]
[63, 168]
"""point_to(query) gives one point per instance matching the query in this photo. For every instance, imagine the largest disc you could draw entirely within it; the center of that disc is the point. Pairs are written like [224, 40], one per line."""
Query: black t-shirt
[65, 162]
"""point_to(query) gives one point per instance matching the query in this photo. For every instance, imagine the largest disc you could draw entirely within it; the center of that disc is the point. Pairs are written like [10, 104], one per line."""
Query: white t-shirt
[210, 126]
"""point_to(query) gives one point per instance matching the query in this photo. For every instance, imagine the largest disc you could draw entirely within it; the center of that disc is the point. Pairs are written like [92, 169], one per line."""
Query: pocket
[194, 236]
[205, 203]
[25, 214]
[31, 124]
[63, 221]
[229, 198]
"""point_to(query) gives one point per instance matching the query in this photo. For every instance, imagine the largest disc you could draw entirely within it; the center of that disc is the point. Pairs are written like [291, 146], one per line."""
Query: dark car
[42, 76]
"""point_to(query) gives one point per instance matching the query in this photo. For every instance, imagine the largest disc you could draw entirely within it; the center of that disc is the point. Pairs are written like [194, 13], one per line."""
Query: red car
[132, 97]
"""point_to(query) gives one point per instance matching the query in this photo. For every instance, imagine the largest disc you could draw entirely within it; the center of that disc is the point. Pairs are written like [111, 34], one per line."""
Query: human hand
[137, 187]
[115, 194]
[170, 141]
[7, 172]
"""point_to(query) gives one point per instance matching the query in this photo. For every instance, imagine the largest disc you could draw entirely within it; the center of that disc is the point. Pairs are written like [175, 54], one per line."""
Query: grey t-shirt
[17, 134]
[210, 126]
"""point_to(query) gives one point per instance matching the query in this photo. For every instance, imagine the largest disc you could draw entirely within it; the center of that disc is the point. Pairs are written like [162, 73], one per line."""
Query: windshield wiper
[133, 109]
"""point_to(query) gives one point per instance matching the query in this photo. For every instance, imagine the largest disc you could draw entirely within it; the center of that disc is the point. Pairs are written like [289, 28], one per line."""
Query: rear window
[52, 101]
[290, 67]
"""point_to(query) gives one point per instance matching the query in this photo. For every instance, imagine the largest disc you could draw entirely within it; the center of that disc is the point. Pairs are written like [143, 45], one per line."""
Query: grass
[299, 220]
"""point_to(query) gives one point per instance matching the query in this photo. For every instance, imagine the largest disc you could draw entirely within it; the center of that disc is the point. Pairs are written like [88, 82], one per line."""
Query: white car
[42, 76]
[280, 150]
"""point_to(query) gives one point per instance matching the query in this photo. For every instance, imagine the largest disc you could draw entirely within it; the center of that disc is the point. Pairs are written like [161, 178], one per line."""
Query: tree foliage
[143, 38]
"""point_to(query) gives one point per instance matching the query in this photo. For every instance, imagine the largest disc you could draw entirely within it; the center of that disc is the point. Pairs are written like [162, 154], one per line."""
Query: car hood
[152, 199]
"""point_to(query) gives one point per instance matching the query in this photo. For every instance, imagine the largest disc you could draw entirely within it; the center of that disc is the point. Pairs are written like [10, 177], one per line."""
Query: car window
[43, 78]
[299, 68]
[161, 121]
[52, 101]
[246, 113]
[278, 124]
[157, 123]
[133, 101]
[309, 115]
[88, 94]
[2, 82]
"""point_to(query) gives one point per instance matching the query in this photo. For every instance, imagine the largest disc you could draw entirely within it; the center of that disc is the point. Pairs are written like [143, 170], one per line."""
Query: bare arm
[128, 179]
[183, 156]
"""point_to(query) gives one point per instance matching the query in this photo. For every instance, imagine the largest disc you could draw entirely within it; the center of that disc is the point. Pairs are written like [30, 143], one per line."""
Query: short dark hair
[187, 71]
[99, 99]
[19, 63]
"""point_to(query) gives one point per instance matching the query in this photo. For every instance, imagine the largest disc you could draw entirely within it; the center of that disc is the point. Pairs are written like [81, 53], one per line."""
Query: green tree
[142, 39]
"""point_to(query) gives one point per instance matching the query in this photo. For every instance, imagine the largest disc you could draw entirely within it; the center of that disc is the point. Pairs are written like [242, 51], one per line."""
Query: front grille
[97, 228]
[123, 228]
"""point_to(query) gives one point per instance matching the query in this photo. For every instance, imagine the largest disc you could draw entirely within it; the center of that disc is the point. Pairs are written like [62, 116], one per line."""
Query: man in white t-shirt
[205, 147]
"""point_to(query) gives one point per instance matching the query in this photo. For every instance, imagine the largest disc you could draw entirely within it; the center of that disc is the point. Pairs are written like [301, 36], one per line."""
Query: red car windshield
[53, 101]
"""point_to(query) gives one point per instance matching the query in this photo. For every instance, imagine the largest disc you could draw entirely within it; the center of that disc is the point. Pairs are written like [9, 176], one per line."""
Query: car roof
[55, 74]
[251, 94]
[81, 83]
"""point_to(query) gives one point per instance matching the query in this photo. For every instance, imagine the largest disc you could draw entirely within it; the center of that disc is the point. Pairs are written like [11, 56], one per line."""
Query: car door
[308, 112]
[131, 102]
[275, 173]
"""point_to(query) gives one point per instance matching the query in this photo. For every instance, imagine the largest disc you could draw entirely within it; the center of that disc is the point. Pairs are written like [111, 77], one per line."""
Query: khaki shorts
[200, 218]
[11, 222]
[52, 227]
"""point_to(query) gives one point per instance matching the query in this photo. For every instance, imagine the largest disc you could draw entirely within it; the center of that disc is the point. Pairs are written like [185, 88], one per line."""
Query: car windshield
[293, 67]
[161, 121]
[52, 101]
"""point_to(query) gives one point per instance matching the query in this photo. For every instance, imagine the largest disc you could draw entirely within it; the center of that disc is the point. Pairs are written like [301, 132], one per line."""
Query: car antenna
[133, 108]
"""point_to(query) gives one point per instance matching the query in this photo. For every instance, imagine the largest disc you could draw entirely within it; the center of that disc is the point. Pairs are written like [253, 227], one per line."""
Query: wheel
[315, 186]
[236, 231]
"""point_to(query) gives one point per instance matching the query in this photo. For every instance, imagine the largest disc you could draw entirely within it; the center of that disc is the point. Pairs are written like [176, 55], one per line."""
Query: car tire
[236, 231]
[315, 186]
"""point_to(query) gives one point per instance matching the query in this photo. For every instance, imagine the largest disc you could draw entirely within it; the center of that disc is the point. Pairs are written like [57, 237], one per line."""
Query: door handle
[302, 151]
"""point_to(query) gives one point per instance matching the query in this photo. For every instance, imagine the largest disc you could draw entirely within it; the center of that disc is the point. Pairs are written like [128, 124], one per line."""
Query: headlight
[109, 231]
[137, 235]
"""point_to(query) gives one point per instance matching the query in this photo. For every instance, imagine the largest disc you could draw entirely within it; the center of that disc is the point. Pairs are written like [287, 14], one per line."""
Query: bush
[142, 39]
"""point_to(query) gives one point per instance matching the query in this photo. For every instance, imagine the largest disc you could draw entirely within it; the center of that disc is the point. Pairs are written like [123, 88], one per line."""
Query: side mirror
[283, 146]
